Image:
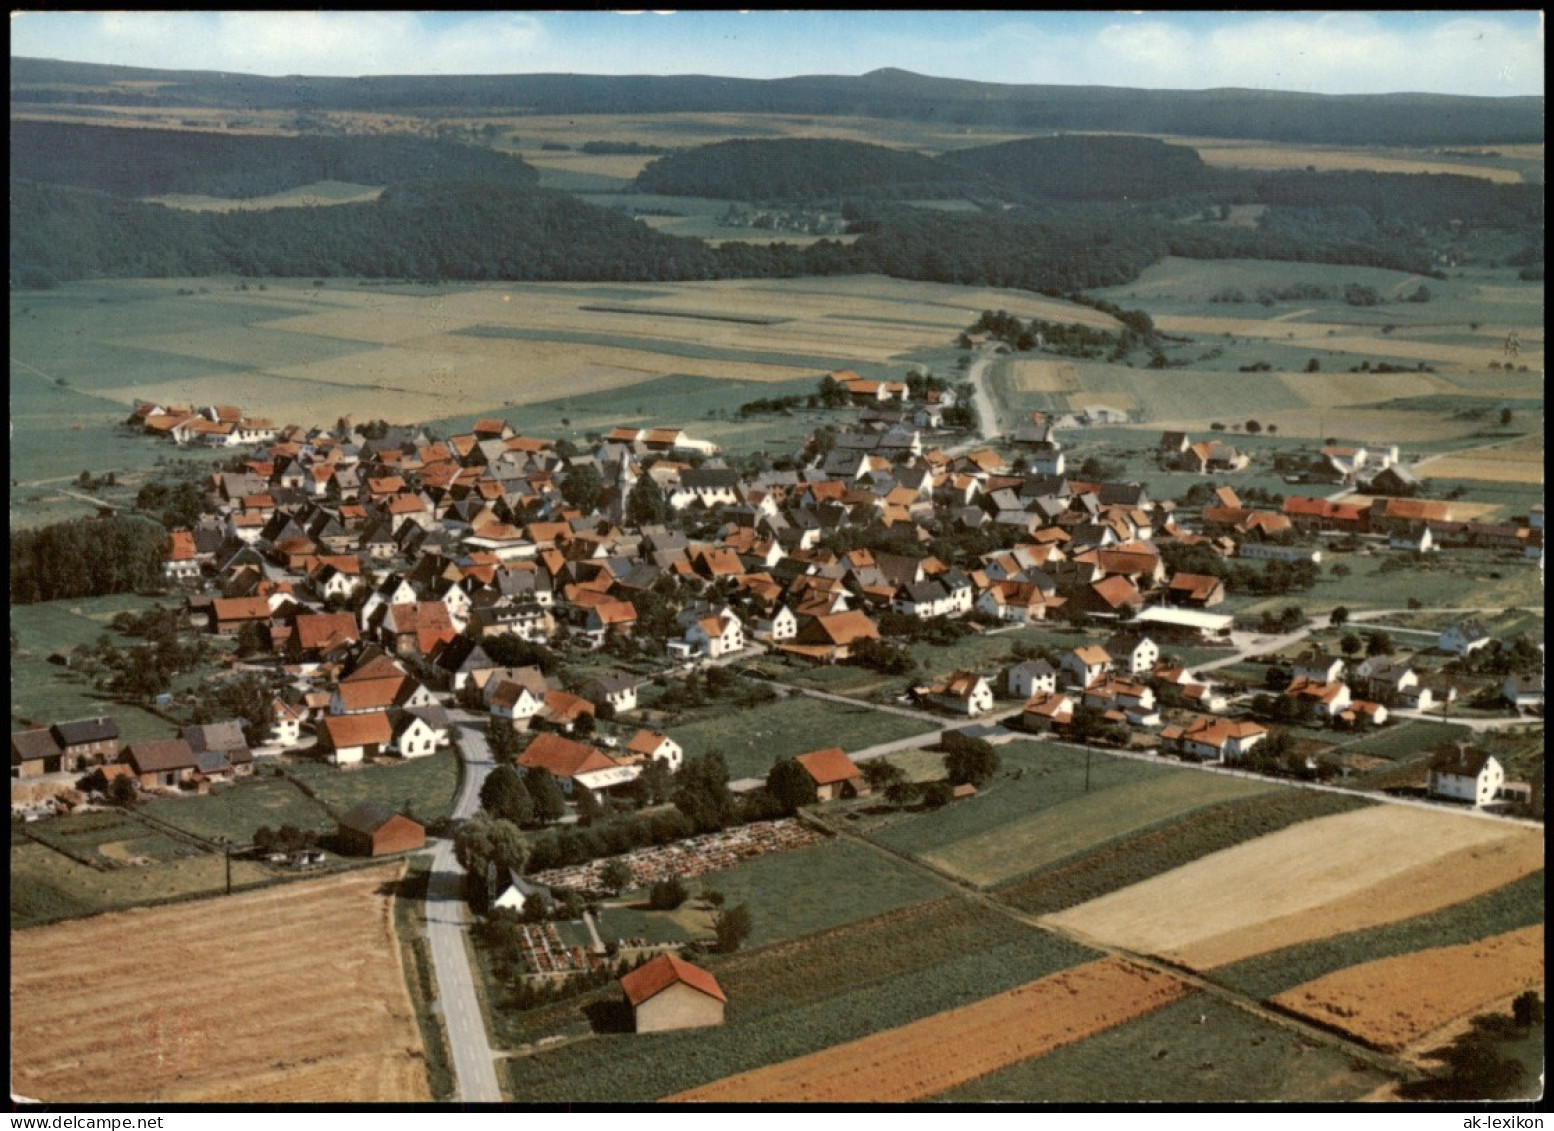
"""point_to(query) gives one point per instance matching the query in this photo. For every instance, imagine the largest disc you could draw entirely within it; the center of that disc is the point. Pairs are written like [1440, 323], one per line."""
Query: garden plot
[1396, 1002]
[952, 1048]
[1318, 878]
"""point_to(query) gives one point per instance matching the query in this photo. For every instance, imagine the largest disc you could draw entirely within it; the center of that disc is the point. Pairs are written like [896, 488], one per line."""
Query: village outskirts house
[668, 993]
[962, 693]
[167, 763]
[833, 773]
[1463, 773]
[1029, 677]
[349, 739]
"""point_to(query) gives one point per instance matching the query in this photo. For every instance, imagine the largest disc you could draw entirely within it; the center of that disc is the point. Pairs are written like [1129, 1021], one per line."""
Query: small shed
[370, 828]
[670, 993]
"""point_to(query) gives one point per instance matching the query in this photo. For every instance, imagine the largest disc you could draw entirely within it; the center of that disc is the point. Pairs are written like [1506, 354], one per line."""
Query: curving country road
[447, 921]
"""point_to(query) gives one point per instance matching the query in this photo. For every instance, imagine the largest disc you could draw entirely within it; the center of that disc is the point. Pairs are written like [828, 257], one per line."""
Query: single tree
[790, 785]
[122, 791]
[658, 780]
[550, 803]
[666, 895]
[616, 875]
[732, 928]
[1378, 643]
[882, 775]
[701, 792]
[1350, 644]
[588, 808]
[503, 794]
[1338, 617]
[968, 760]
[646, 503]
[583, 488]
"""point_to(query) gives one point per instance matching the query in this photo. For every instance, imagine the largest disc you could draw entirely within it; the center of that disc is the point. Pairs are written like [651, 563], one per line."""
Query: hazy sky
[1495, 53]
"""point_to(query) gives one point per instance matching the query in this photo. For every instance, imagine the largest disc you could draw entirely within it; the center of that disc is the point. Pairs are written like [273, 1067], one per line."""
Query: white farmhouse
[1465, 774]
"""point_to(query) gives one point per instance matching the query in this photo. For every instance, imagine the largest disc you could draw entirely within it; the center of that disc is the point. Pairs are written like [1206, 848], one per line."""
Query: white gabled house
[414, 737]
[964, 693]
[1465, 774]
[712, 635]
[514, 702]
[1134, 653]
[1028, 678]
[1086, 665]
[650, 745]
[781, 625]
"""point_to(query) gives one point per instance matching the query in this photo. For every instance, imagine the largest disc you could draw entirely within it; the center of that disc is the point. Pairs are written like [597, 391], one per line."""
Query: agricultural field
[1037, 811]
[330, 1020]
[1076, 824]
[1337, 874]
[1394, 1003]
[1503, 165]
[752, 740]
[798, 997]
[1518, 904]
[83, 353]
[1462, 330]
[1199, 1050]
[317, 195]
[919, 1060]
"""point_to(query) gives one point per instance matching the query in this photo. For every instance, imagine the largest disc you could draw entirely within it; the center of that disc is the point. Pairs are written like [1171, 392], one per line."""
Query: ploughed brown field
[1393, 1002]
[930, 1056]
[289, 995]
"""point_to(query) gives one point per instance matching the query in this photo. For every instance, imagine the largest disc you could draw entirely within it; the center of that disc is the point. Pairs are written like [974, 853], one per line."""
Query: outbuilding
[371, 828]
[669, 993]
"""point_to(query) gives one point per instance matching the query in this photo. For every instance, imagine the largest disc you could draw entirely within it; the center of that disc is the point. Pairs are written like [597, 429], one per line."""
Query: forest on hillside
[147, 162]
[1385, 119]
[478, 230]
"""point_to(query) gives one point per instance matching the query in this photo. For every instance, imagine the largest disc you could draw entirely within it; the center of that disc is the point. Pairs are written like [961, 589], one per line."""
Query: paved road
[447, 920]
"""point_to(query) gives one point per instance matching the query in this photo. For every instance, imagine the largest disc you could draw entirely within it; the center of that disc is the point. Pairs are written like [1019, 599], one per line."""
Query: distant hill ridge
[151, 162]
[1391, 119]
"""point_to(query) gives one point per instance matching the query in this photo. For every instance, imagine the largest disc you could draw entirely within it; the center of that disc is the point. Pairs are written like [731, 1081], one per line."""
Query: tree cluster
[86, 558]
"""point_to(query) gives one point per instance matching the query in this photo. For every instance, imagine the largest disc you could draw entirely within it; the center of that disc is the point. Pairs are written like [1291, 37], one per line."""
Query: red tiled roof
[829, 766]
[656, 976]
[358, 730]
[563, 757]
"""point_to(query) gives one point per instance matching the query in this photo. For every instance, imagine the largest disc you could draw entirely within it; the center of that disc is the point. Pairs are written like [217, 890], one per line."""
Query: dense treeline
[153, 162]
[796, 169]
[452, 230]
[1085, 168]
[90, 558]
[472, 230]
[1390, 119]
[1169, 180]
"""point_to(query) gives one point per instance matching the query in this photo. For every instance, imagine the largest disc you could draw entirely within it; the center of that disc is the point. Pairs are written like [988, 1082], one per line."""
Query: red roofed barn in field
[670, 993]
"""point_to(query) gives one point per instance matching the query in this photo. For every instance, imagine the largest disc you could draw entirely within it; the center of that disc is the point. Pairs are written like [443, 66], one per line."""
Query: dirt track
[930, 1056]
[289, 995]
[1394, 1002]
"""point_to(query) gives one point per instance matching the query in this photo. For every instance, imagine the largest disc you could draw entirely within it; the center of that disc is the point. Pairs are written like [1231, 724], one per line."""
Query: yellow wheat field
[286, 995]
[1318, 878]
